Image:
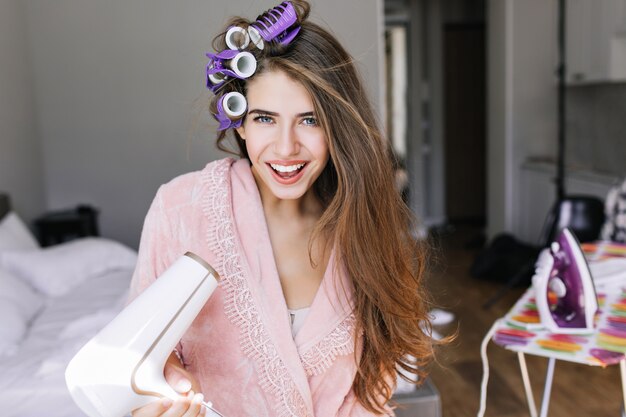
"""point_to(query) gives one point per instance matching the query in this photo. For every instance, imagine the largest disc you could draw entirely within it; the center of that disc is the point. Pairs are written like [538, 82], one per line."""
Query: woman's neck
[305, 207]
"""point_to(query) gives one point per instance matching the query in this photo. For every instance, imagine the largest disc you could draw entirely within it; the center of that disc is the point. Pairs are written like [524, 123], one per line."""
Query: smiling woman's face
[285, 142]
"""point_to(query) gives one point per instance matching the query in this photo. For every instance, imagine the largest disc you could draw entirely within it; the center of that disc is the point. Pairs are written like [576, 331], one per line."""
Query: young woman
[321, 299]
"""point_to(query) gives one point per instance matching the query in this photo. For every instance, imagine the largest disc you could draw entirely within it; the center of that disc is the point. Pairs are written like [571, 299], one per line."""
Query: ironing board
[520, 331]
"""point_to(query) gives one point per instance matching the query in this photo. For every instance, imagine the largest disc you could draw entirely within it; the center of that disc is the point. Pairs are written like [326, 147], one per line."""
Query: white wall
[499, 92]
[115, 84]
[20, 158]
[434, 172]
[537, 180]
[521, 105]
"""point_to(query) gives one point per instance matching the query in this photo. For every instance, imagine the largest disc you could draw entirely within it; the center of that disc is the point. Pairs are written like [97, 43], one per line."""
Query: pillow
[57, 269]
[26, 300]
[12, 329]
[14, 235]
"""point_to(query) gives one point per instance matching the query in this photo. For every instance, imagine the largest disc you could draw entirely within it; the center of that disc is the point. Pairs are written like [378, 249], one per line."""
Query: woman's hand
[185, 384]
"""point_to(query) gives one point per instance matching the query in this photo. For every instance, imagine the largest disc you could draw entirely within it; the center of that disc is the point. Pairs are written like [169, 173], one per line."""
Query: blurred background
[101, 102]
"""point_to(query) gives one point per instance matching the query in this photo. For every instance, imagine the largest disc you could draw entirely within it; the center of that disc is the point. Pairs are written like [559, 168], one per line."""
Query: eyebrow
[271, 113]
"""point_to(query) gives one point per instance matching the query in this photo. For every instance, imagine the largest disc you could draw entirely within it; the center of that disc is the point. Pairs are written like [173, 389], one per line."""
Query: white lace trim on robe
[242, 312]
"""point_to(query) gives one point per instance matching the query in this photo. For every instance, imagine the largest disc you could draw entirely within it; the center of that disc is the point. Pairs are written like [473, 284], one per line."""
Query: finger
[196, 406]
[177, 379]
[154, 408]
[179, 407]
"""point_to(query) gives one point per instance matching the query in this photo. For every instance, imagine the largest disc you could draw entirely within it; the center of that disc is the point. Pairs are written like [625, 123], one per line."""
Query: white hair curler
[217, 78]
[243, 64]
[234, 104]
[255, 36]
[237, 38]
[121, 368]
[230, 63]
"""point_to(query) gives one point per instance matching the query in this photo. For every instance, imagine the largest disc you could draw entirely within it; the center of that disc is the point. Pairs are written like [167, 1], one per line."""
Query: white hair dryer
[121, 368]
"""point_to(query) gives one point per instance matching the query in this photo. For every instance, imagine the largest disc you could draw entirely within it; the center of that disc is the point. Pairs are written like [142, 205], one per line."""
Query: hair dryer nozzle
[121, 368]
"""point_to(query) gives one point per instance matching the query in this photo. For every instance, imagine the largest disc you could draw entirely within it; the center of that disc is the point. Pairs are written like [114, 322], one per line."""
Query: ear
[241, 131]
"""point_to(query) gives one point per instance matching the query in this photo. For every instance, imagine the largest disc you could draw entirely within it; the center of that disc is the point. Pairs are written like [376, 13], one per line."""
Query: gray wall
[117, 85]
[20, 156]
[595, 154]
[596, 128]
[521, 104]
[523, 122]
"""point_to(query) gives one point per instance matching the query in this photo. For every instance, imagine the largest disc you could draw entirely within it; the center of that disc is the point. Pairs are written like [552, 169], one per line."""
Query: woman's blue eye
[263, 119]
[310, 121]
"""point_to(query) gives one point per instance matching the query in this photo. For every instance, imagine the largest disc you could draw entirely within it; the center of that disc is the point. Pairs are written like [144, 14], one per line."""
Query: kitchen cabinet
[595, 41]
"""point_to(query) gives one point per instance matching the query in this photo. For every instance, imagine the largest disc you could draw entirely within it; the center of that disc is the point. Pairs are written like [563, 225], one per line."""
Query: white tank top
[296, 318]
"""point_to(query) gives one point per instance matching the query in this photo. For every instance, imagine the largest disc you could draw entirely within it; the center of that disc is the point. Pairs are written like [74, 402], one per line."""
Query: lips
[287, 172]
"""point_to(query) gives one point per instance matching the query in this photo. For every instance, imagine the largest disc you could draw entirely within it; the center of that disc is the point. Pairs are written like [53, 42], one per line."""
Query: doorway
[465, 122]
[444, 96]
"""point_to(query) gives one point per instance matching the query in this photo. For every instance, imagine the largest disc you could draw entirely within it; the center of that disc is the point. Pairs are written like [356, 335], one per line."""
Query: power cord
[485, 360]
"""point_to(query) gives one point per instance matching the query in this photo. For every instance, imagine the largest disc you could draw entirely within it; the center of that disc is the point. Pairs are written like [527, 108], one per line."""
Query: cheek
[319, 146]
[253, 151]
[255, 144]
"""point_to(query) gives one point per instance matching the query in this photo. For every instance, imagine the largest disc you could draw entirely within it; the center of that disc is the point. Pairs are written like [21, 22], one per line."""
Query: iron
[564, 290]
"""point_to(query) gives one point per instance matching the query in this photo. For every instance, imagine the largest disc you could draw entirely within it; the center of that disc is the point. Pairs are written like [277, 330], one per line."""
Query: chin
[282, 194]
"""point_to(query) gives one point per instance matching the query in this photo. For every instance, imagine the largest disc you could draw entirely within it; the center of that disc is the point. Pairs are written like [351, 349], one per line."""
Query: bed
[52, 300]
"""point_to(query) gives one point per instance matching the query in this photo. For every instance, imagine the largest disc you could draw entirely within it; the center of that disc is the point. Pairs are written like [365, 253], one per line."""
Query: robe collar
[330, 312]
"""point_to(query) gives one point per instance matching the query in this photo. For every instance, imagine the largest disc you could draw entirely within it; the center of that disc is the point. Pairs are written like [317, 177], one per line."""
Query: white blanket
[32, 382]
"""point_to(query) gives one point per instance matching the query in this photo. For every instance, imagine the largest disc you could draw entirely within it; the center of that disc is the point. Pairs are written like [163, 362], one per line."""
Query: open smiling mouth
[287, 172]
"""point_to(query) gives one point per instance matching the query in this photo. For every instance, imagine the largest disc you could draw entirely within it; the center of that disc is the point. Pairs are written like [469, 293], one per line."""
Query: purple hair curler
[228, 63]
[275, 24]
[231, 106]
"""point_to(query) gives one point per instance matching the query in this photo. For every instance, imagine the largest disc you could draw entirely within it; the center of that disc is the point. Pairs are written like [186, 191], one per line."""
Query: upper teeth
[286, 168]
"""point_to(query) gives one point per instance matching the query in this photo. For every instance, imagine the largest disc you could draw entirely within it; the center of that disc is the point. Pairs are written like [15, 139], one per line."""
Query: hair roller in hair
[237, 38]
[228, 63]
[275, 24]
[230, 110]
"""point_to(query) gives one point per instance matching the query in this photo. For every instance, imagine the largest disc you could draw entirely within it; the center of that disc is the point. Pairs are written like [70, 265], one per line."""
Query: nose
[287, 143]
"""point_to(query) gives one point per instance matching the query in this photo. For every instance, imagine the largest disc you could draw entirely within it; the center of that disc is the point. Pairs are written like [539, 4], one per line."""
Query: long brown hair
[364, 215]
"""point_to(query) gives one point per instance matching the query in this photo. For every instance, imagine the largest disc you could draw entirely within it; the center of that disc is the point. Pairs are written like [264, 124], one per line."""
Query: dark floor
[578, 390]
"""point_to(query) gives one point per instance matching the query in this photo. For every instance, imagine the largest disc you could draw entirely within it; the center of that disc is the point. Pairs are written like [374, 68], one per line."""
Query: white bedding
[32, 381]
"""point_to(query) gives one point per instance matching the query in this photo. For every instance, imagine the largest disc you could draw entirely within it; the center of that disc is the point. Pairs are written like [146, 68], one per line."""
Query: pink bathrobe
[240, 346]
